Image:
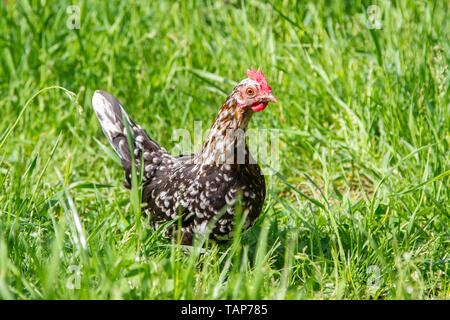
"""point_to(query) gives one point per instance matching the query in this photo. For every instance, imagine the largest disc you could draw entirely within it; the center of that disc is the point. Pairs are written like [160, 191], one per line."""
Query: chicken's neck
[226, 142]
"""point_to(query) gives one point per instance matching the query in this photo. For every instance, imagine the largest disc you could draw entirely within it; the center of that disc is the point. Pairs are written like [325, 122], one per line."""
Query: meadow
[357, 207]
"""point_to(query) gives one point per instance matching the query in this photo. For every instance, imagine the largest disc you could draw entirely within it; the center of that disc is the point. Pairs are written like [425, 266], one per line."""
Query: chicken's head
[254, 92]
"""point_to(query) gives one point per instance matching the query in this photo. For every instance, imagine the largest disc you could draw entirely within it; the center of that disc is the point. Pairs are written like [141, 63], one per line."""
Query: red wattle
[260, 106]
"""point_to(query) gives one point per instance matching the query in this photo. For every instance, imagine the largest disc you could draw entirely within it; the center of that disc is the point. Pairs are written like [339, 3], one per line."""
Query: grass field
[358, 210]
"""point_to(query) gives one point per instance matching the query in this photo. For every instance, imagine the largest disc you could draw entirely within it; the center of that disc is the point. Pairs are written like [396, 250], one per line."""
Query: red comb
[260, 78]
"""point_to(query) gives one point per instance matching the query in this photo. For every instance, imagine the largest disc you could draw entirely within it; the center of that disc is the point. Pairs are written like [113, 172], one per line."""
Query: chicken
[204, 187]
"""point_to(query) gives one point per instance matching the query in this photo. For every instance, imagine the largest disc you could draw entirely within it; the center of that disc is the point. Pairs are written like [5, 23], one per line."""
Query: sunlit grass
[358, 205]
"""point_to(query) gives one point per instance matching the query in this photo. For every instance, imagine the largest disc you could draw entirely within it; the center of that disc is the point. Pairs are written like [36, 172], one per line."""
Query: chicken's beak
[270, 98]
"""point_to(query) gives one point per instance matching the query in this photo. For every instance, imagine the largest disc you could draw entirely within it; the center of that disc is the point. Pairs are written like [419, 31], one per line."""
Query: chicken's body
[202, 187]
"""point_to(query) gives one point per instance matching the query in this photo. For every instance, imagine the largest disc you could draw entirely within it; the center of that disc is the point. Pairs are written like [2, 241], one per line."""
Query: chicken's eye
[250, 91]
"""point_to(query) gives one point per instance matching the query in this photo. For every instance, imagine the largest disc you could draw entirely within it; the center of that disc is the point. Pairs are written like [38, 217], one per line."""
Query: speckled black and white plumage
[201, 187]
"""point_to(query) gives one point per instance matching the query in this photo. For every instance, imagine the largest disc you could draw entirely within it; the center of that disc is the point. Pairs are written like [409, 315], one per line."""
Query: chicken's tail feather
[111, 115]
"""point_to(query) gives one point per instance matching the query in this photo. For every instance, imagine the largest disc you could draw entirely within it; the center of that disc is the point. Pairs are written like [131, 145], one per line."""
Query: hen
[201, 187]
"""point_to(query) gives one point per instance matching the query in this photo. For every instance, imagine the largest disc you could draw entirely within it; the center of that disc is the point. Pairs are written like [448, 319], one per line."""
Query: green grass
[359, 209]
